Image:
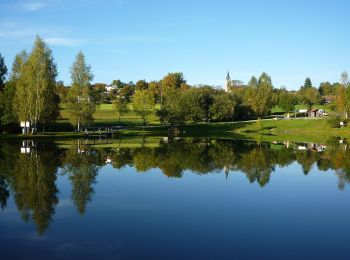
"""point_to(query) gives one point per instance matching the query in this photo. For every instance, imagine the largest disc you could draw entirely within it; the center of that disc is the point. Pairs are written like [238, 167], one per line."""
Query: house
[314, 113]
[110, 88]
[328, 99]
[317, 113]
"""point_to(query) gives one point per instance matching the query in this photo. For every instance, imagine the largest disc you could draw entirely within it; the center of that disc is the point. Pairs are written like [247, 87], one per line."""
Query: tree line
[31, 93]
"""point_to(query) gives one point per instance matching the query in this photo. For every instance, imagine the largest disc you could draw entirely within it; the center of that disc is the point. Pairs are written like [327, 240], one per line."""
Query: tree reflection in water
[32, 180]
[31, 176]
[80, 164]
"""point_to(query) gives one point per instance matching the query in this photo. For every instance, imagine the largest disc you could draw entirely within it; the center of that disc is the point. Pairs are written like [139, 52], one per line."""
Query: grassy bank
[302, 129]
[105, 115]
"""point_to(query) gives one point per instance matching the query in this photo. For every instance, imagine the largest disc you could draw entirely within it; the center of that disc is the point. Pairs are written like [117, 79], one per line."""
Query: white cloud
[12, 30]
[32, 6]
[52, 35]
[62, 41]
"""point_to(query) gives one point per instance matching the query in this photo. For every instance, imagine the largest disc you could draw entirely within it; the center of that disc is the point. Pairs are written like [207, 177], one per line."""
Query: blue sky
[139, 39]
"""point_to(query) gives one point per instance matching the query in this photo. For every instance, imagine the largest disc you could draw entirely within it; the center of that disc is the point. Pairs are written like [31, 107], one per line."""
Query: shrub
[334, 121]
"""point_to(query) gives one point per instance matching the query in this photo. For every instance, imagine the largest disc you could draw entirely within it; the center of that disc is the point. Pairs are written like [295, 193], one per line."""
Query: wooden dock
[100, 132]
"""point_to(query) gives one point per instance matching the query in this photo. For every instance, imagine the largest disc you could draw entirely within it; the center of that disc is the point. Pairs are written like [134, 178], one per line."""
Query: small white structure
[108, 160]
[25, 149]
[25, 127]
[110, 88]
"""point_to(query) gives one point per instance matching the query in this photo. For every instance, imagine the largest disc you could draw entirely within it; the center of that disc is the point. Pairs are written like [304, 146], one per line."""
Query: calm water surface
[186, 199]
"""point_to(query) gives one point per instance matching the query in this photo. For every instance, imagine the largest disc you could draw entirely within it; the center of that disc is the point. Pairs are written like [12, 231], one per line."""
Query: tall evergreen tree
[307, 83]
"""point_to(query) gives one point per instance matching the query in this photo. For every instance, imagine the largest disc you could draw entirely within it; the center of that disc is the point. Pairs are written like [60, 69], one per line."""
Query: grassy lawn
[105, 115]
[301, 129]
[278, 110]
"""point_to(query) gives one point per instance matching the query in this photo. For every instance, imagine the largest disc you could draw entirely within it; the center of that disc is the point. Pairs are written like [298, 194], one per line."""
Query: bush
[334, 121]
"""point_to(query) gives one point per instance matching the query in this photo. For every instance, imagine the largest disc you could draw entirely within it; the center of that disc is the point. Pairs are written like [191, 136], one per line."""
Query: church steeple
[228, 78]
[227, 82]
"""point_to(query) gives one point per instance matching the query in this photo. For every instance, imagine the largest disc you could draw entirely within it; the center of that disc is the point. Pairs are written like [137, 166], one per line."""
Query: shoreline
[264, 130]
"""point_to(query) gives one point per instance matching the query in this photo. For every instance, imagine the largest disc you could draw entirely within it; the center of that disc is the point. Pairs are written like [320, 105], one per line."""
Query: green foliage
[334, 121]
[326, 89]
[33, 184]
[259, 125]
[81, 74]
[82, 172]
[81, 101]
[8, 118]
[198, 102]
[173, 109]
[21, 100]
[121, 106]
[141, 85]
[173, 80]
[261, 98]
[80, 105]
[287, 101]
[3, 72]
[309, 96]
[223, 107]
[307, 83]
[118, 83]
[253, 82]
[143, 104]
[34, 76]
[155, 87]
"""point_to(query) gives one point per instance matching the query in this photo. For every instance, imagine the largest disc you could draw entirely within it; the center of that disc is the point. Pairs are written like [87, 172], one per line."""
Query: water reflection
[31, 177]
[81, 166]
[30, 174]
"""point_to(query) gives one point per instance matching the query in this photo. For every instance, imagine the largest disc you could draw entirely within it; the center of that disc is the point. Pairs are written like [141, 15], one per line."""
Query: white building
[110, 88]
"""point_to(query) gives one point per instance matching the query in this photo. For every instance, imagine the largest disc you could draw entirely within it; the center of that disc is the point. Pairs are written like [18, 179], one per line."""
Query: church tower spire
[227, 82]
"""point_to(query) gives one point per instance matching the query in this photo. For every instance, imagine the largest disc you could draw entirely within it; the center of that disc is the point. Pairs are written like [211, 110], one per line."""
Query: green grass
[301, 129]
[278, 110]
[316, 130]
[129, 142]
[105, 115]
[48, 135]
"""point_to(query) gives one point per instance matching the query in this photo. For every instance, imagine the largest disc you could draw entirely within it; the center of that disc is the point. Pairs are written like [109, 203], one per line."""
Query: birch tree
[343, 95]
[81, 102]
[35, 98]
[261, 96]
[143, 104]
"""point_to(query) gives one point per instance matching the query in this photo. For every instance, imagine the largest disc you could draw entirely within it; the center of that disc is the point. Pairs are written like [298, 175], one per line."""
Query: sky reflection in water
[198, 199]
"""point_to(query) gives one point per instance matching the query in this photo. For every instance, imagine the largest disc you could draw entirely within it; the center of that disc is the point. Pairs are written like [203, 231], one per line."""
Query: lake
[174, 199]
